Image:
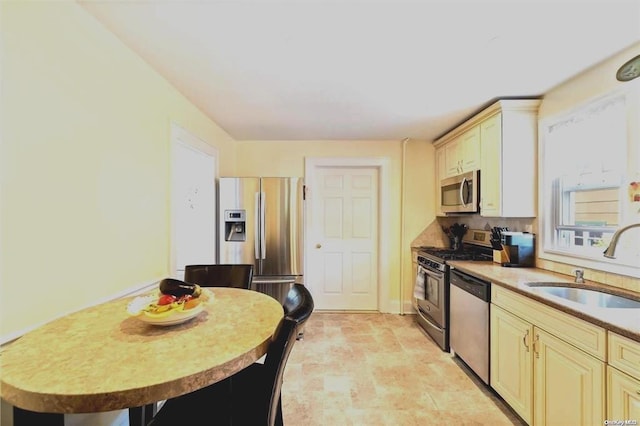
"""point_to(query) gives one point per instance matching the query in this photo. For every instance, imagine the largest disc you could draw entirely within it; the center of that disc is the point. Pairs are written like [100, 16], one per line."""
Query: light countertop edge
[625, 322]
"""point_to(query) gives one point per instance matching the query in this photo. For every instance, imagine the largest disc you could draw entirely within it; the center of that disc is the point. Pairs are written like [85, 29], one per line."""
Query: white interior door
[193, 199]
[343, 248]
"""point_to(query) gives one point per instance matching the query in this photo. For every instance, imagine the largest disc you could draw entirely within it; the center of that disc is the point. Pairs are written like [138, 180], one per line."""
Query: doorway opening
[194, 169]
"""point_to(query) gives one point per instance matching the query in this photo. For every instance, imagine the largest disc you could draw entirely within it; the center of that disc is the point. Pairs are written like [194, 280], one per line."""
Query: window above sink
[588, 164]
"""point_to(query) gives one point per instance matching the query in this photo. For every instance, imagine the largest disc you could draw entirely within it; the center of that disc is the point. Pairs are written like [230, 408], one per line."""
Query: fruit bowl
[171, 315]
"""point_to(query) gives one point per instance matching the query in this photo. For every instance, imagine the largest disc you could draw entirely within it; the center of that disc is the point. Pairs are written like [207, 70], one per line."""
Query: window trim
[547, 203]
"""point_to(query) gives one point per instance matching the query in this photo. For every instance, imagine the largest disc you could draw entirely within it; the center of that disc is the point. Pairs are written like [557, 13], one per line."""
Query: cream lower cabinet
[512, 361]
[568, 384]
[545, 379]
[623, 396]
[623, 379]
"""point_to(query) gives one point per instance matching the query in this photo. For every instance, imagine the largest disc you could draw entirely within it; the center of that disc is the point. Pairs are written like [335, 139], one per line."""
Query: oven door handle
[437, 274]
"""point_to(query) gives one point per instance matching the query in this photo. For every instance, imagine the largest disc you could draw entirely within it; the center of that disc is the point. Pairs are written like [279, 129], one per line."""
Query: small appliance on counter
[455, 233]
[519, 249]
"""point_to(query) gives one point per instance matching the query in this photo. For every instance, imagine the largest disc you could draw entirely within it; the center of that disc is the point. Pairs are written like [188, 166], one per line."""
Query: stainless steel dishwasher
[469, 321]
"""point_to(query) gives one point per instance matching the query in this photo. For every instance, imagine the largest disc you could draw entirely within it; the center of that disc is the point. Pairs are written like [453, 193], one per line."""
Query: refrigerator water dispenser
[235, 225]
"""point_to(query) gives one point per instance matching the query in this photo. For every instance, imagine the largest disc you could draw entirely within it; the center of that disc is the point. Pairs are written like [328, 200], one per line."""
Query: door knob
[318, 245]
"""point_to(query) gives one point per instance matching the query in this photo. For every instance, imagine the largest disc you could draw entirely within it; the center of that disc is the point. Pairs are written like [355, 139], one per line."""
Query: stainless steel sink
[584, 296]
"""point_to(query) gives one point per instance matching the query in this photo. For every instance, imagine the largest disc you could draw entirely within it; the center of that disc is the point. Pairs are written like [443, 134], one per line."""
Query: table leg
[140, 416]
[31, 418]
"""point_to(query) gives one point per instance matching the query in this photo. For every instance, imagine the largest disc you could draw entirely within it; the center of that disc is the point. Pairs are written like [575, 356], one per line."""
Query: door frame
[181, 136]
[384, 217]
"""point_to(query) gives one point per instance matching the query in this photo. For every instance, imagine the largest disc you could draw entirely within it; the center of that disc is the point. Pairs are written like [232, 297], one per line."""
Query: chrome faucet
[579, 276]
[614, 240]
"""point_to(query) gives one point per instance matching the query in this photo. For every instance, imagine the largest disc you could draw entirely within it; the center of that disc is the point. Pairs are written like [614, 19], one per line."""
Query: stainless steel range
[432, 289]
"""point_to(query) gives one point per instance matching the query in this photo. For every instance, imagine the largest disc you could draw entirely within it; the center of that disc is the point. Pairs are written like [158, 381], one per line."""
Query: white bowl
[175, 317]
[137, 308]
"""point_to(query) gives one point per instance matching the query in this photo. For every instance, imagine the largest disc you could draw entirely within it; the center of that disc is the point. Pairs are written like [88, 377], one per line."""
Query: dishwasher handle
[477, 287]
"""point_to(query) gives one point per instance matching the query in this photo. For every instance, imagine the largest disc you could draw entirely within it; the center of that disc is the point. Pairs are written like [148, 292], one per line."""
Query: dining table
[103, 358]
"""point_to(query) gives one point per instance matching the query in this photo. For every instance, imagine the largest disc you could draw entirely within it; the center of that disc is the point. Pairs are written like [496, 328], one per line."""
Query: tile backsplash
[432, 235]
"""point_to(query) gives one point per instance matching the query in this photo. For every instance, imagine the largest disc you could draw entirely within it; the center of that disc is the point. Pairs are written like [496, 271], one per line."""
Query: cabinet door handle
[525, 340]
[536, 349]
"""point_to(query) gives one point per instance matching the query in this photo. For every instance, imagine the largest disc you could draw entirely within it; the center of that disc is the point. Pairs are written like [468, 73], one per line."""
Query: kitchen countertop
[625, 322]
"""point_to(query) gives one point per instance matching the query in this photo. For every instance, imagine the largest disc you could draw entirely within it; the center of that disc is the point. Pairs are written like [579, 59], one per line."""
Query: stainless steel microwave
[461, 193]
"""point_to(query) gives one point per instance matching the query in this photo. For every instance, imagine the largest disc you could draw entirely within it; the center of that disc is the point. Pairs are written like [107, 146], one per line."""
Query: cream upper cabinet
[500, 141]
[508, 151]
[469, 151]
[441, 165]
[537, 367]
[623, 378]
[491, 166]
[462, 154]
[452, 155]
[441, 173]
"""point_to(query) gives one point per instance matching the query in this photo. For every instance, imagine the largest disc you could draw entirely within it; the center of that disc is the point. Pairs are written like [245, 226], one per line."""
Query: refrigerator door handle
[256, 241]
[263, 231]
[268, 280]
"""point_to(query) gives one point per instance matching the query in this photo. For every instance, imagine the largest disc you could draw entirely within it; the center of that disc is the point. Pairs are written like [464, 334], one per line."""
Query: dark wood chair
[224, 275]
[251, 396]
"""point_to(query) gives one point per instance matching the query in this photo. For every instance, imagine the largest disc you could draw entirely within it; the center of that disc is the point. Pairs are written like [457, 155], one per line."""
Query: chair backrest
[298, 304]
[279, 349]
[298, 307]
[238, 276]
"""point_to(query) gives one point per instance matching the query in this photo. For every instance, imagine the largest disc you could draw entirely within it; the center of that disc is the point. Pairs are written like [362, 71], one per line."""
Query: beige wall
[284, 158]
[589, 84]
[84, 163]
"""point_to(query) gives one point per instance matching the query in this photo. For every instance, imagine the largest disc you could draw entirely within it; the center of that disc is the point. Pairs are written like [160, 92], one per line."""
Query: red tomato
[166, 299]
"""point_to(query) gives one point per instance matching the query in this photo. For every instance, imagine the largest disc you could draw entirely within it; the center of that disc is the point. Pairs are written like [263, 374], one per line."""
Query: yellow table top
[102, 359]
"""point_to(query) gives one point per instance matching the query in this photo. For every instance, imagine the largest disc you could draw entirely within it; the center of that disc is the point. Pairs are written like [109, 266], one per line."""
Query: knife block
[499, 256]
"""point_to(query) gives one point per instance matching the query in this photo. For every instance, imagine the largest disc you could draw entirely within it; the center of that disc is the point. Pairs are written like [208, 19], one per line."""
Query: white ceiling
[364, 69]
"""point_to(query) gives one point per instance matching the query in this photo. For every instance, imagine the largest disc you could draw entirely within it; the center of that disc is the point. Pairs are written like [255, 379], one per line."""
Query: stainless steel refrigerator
[261, 223]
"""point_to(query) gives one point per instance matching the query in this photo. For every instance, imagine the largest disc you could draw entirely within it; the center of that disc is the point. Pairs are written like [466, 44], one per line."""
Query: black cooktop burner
[467, 253]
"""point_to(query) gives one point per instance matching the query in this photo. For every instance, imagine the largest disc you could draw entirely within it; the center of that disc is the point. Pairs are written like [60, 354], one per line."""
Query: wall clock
[630, 70]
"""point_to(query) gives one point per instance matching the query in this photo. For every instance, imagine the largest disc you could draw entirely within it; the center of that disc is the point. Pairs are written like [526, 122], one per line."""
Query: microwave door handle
[463, 184]
[467, 185]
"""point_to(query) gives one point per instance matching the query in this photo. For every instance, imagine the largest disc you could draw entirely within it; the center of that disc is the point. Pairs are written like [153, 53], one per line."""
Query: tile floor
[381, 369]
